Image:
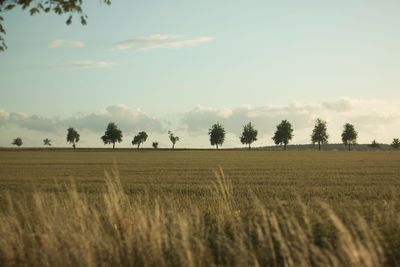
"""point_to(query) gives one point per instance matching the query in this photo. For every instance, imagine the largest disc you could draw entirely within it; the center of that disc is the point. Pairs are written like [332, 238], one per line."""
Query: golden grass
[69, 230]
[216, 220]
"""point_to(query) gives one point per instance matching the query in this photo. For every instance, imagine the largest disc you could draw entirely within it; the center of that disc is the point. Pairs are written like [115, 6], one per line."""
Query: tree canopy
[396, 143]
[349, 135]
[249, 135]
[47, 142]
[140, 138]
[319, 134]
[17, 142]
[217, 135]
[112, 134]
[59, 7]
[283, 134]
[173, 139]
[374, 145]
[72, 136]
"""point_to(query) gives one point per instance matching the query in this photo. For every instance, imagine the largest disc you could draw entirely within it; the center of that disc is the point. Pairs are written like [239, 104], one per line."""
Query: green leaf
[58, 10]
[69, 20]
[9, 7]
[34, 11]
[83, 20]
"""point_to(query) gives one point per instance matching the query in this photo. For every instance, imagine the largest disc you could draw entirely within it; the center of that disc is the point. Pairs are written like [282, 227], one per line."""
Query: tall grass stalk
[53, 229]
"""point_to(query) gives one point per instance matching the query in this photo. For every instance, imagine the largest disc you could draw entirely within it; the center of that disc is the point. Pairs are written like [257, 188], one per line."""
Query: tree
[112, 134]
[283, 134]
[140, 138]
[34, 7]
[349, 135]
[47, 142]
[319, 134]
[72, 136]
[17, 142]
[396, 143]
[173, 138]
[217, 135]
[249, 134]
[374, 145]
[155, 145]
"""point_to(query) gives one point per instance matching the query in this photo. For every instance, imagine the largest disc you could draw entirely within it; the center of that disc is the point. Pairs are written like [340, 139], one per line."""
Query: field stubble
[199, 208]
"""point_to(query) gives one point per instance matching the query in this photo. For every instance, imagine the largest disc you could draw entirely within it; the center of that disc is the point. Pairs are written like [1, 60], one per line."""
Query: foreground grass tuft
[69, 229]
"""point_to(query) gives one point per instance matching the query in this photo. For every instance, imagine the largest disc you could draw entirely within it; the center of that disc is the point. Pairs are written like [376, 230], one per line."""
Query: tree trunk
[249, 147]
[216, 146]
[138, 146]
[349, 147]
[319, 146]
[173, 145]
[113, 145]
[284, 146]
[73, 145]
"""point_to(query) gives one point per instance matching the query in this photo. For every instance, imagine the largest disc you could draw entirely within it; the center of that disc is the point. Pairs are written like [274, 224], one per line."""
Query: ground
[125, 207]
[337, 177]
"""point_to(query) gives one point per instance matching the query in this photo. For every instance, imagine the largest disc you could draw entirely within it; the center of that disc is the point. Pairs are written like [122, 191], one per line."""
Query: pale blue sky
[258, 53]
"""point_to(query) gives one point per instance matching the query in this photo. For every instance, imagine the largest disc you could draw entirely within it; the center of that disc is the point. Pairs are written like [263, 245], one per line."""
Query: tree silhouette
[396, 143]
[319, 134]
[249, 135]
[72, 136]
[140, 138]
[112, 134]
[173, 138]
[17, 142]
[374, 145]
[217, 135]
[47, 142]
[283, 134]
[155, 145]
[349, 135]
[34, 7]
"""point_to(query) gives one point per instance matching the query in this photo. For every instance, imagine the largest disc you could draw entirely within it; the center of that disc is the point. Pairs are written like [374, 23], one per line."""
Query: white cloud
[4, 115]
[87, 64]
[66, 43]
[33, 122]
[128, 119]
[161, 41]
[372, 118]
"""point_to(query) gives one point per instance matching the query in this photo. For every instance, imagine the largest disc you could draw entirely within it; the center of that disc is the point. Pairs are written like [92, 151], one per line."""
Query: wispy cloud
[161, 41]
[66, 43]
[87, 64]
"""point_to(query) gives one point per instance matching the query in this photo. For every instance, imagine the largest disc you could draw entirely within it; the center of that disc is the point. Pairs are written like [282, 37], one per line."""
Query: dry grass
[223, 223]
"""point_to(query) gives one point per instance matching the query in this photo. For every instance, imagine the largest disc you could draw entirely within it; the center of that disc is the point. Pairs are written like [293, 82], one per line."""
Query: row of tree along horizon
[282, 136]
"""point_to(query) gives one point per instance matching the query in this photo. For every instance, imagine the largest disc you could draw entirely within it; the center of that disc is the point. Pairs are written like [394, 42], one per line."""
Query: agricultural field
[199, 208]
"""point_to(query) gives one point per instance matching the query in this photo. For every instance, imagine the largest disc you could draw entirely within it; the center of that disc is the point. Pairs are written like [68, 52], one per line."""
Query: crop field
[199, 208]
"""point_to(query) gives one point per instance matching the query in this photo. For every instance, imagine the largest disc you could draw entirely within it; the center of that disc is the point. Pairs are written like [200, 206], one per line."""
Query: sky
[184, 65]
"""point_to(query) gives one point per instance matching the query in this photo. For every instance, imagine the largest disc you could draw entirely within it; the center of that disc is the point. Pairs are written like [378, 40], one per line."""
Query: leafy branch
[70, 7]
